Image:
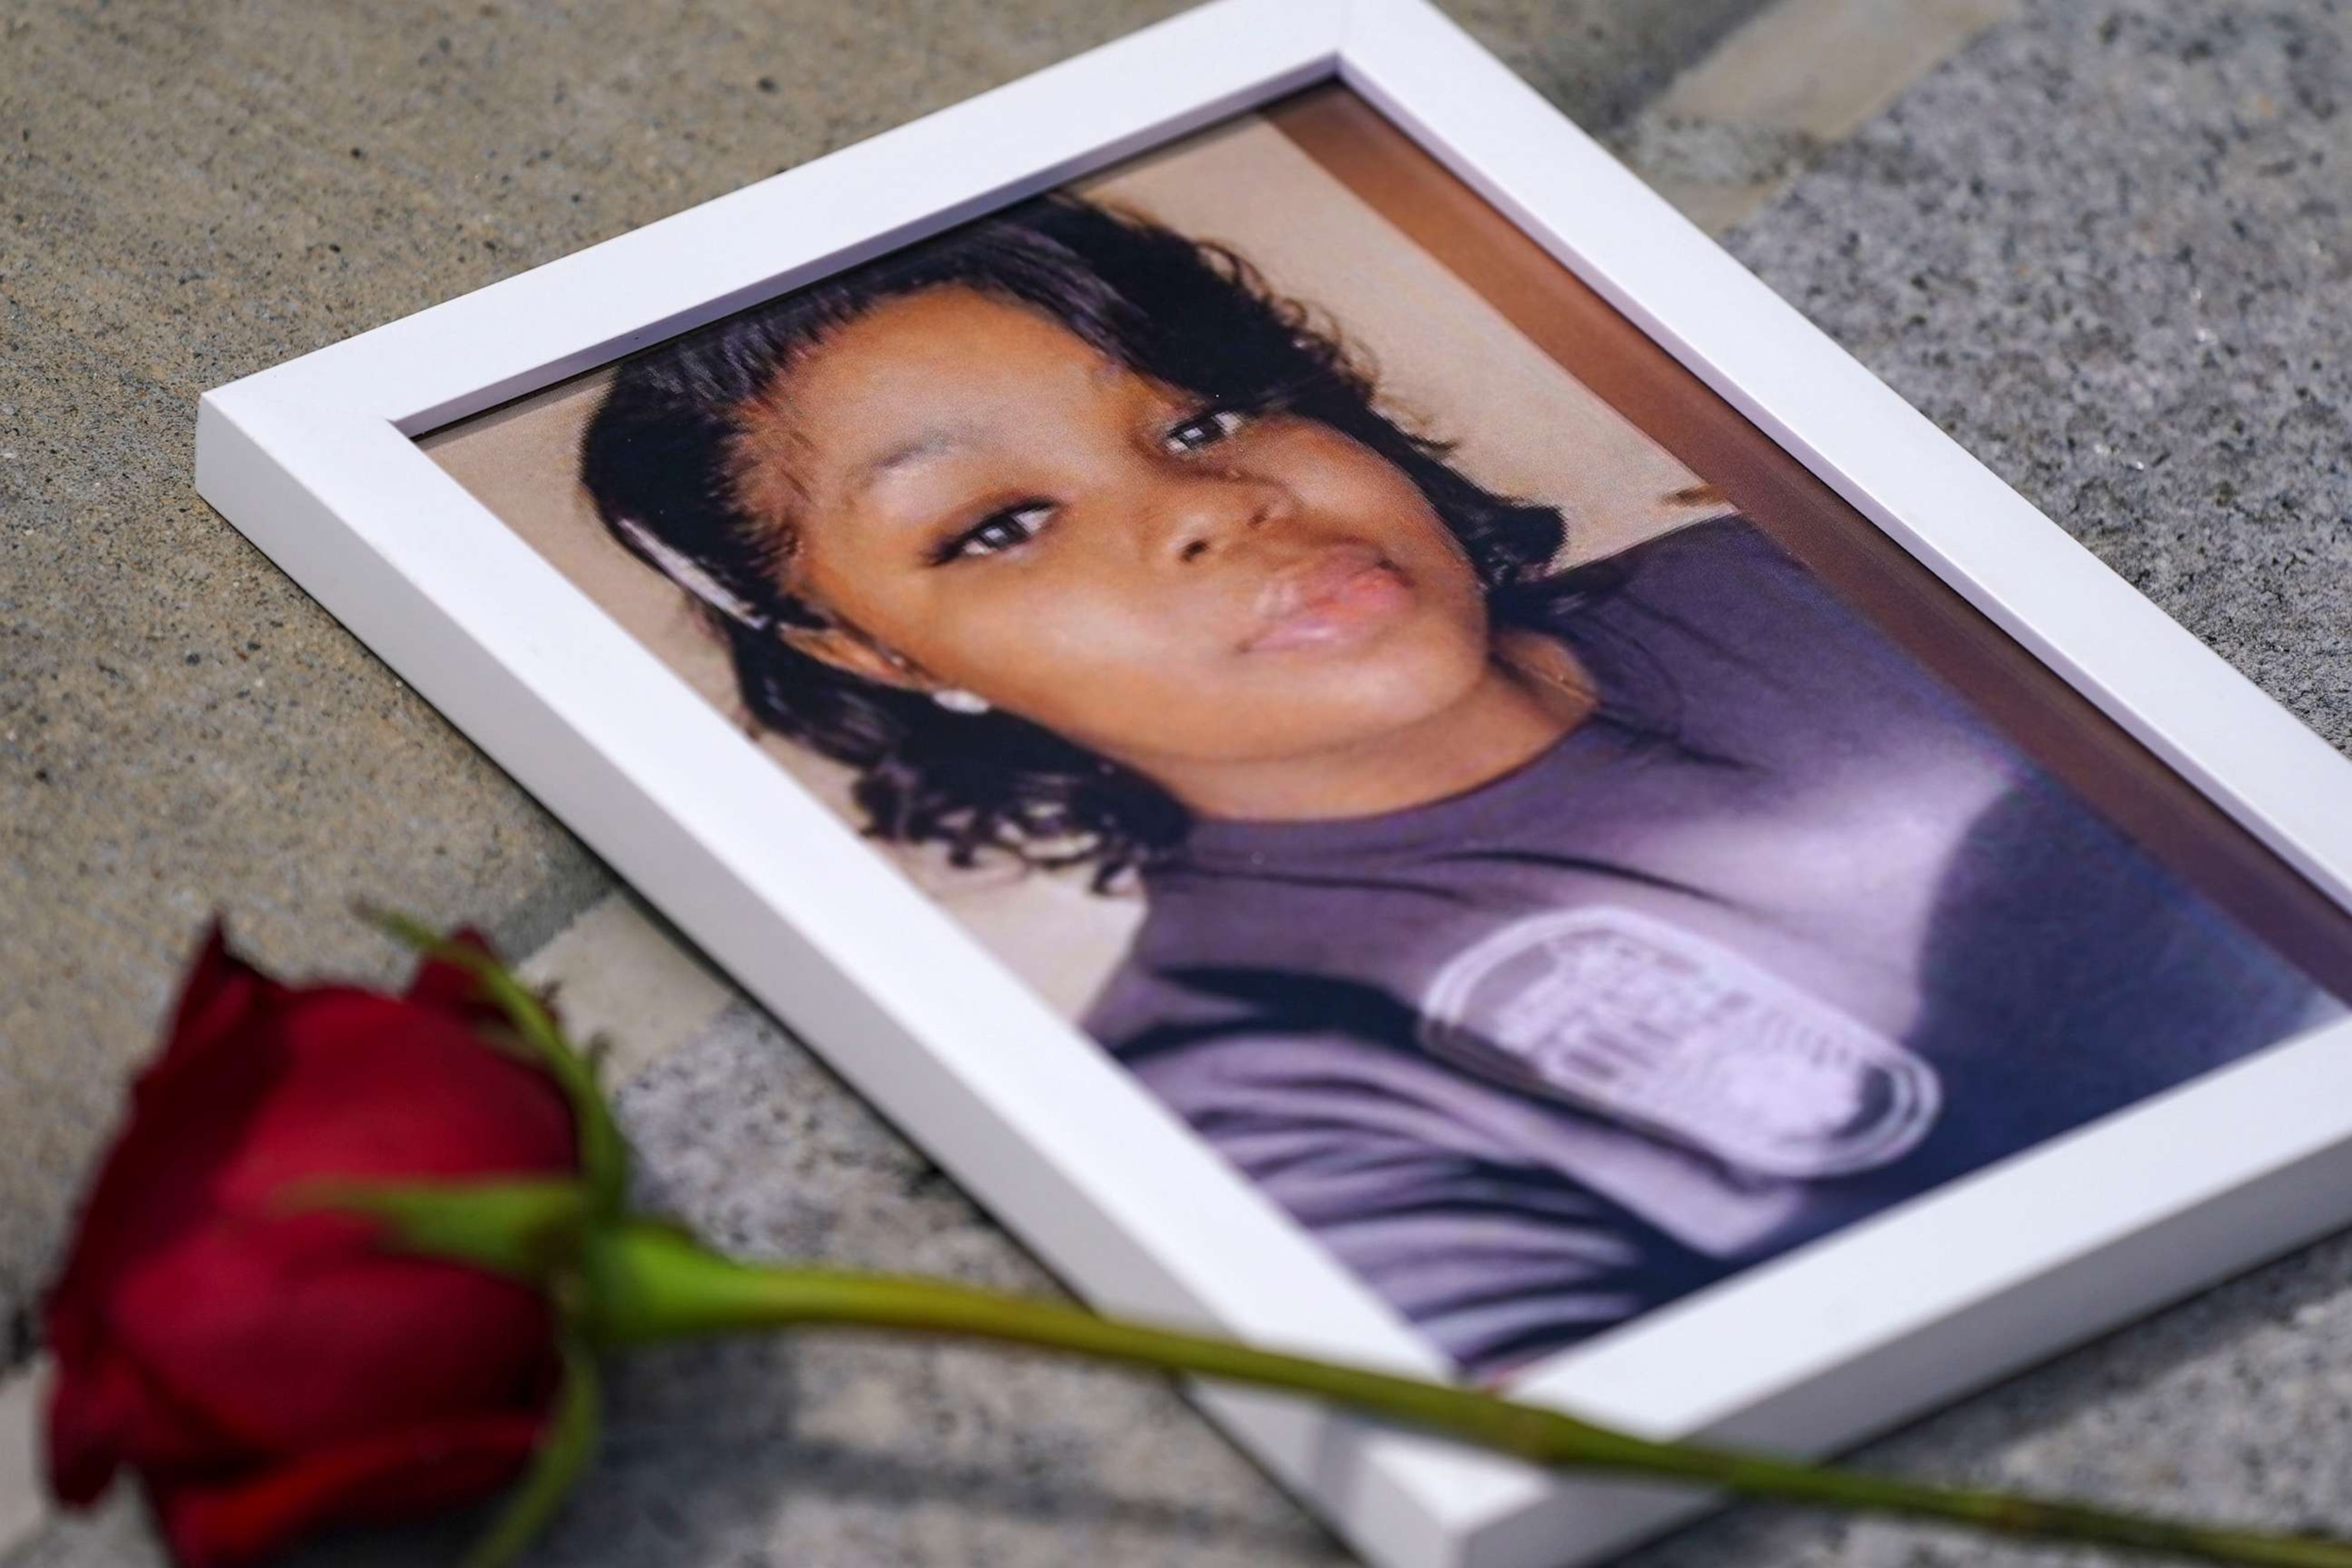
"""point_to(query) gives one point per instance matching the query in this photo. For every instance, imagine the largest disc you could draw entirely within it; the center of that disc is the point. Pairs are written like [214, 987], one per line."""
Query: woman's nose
[1201, 515]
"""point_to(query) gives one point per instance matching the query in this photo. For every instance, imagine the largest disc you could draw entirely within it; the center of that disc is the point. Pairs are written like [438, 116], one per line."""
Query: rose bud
[264, 1366]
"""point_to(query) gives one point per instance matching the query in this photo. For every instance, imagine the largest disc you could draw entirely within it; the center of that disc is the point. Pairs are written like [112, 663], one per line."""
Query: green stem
[647, 1284]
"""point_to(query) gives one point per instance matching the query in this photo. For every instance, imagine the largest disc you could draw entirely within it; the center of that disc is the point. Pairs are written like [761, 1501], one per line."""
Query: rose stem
[649, 1283]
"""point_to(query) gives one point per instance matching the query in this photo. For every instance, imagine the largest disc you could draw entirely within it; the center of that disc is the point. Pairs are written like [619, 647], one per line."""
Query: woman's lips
[1335, 596]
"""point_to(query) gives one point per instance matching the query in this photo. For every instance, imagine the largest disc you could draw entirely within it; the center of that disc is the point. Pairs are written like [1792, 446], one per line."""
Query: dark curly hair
[657, 458]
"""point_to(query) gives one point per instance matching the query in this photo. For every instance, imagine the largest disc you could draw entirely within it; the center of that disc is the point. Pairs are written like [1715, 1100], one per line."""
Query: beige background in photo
[1446, 361]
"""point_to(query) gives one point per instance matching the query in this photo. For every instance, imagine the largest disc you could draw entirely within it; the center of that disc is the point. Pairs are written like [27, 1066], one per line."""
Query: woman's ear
[851, 651]
[844, 648]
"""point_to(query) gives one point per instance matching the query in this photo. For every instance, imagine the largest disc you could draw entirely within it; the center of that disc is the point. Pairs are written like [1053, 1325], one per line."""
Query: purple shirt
[1782, 936]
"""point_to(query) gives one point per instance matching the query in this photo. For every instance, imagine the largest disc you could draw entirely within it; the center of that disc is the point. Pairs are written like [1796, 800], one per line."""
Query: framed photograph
[1374, 745]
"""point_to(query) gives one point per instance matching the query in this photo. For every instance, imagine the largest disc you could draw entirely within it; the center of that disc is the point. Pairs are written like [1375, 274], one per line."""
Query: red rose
[267, 1369]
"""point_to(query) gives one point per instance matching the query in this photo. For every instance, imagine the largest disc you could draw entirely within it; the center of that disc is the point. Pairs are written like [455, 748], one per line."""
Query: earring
[956, 699]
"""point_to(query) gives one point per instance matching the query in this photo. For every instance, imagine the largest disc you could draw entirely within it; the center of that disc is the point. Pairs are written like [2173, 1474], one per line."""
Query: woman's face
[1177, 586]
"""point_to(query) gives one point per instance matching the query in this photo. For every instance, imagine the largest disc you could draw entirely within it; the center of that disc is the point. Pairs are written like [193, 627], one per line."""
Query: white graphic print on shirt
[1657, 1028]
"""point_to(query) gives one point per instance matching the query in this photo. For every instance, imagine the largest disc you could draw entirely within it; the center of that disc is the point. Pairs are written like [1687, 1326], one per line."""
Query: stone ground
[2107, 246]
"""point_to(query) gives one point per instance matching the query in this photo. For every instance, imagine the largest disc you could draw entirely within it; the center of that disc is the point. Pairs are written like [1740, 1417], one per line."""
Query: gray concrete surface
[2107, 248]
[2110, 249]
[1794, 80]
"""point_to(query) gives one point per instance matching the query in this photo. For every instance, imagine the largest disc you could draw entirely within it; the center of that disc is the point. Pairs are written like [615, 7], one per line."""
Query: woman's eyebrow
[929, 444]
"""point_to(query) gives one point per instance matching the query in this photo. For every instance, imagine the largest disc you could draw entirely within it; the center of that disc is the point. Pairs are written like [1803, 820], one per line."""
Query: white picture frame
[315, 461]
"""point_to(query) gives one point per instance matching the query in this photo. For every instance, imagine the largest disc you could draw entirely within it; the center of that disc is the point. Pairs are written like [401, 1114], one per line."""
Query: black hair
[658, 458]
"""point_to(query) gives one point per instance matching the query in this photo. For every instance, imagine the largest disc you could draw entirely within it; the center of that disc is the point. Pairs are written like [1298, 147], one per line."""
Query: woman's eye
[1203, 429]
[1000, 532]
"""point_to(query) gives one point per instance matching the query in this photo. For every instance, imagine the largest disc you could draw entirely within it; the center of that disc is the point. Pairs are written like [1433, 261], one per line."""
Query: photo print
[1534, 831]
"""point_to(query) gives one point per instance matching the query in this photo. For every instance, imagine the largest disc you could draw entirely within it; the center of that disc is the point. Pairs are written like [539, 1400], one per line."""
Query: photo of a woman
[1550, 941]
